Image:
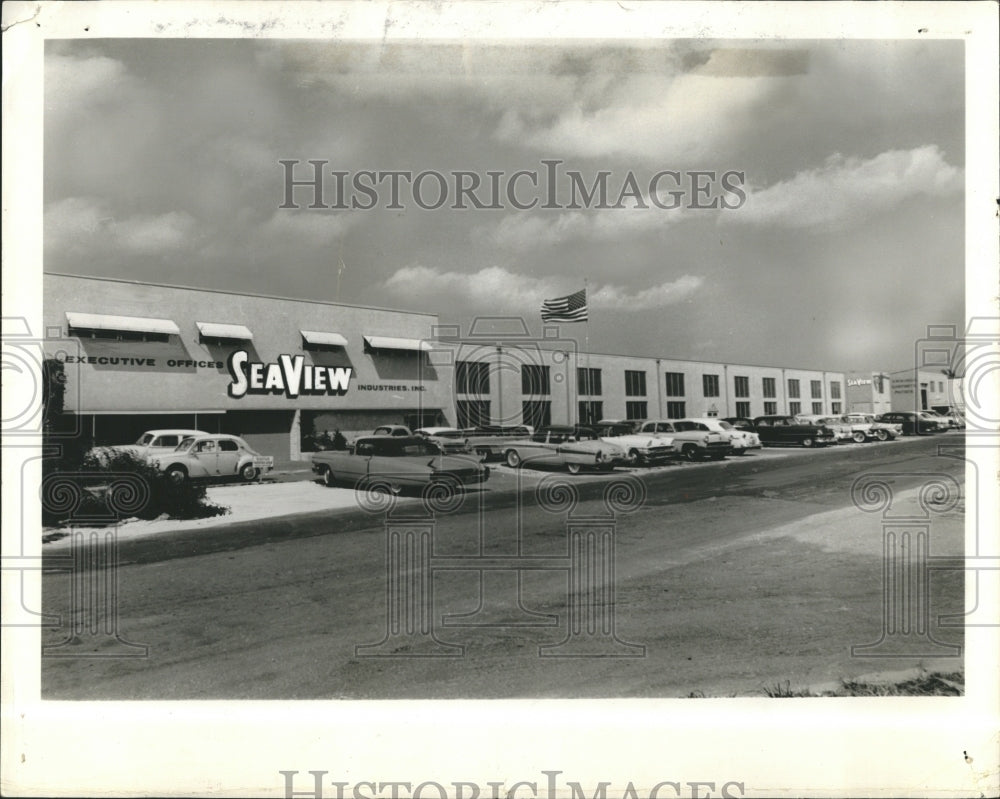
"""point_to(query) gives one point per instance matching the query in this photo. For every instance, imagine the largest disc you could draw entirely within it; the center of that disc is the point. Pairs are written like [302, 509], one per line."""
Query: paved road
[706, 599]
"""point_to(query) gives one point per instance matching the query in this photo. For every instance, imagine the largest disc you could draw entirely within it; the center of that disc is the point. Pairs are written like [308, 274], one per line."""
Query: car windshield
[726, 426]
[185, 444]
[410, 448]
[144, 439]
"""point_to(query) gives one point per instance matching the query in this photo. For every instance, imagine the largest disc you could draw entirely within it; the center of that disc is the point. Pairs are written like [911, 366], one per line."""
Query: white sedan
[740, 440]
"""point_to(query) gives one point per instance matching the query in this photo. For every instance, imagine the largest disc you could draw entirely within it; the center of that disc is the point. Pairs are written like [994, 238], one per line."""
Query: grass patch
[927, 684]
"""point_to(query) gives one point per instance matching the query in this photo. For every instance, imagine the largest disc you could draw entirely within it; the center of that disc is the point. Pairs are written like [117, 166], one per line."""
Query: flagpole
[586, 346]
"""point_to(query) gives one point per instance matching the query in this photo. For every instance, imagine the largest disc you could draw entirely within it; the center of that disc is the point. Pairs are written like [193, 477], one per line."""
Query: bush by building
[105, 485]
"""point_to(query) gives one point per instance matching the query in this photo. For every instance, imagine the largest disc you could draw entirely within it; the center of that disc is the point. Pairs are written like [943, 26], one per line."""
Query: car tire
[807, 442]
[859, 437]
[329, 478]
[573, 468]
[882, 435]
[176, 474]
[635, 458]
[513, 459]
[248, 473]
[741, 451]
[690, 452]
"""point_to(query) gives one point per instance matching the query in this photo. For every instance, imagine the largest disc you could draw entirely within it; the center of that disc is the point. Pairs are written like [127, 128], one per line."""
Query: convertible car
[576, 448]
[396, 462]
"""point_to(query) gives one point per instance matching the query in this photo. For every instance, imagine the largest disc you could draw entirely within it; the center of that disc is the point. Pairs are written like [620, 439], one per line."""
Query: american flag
[572, 308]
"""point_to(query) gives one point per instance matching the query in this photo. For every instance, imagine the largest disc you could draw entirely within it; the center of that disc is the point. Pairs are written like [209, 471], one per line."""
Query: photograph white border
[806, 747]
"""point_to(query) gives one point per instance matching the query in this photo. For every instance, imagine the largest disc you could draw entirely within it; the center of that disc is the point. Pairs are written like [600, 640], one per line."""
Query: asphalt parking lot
[728, 577]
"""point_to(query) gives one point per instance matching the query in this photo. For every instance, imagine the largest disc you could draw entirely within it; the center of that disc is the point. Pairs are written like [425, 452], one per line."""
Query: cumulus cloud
[846, 190]
[306, 228]
[83, 225]
[75, 82]
[498, 288]
[529, 230]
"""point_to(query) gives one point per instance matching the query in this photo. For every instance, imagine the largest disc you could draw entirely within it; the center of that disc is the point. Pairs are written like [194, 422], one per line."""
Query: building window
[590, 411]
[741, 386]
[675, 384]
[743, 410]
[816, 387]
[770, 387]
[835, 407]
[795, 408]
[588, 382]
[834, 389]
[472, 413]
[793, 389]
[817, 407]
[635, 383]
[710, 385]
[675, 410]
[472, 377]
[770, 408]
[536, 413]
[534, 380]
[940, 385]
[635, 409]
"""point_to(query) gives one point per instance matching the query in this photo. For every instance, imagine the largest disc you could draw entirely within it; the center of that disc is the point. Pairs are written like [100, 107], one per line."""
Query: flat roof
[238, 293]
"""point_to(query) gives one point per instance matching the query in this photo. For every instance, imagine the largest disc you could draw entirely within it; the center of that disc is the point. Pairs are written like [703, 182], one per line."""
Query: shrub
[109, 484]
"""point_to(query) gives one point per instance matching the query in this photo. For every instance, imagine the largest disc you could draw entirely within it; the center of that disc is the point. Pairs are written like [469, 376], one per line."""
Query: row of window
[474, 378]
[538, 413]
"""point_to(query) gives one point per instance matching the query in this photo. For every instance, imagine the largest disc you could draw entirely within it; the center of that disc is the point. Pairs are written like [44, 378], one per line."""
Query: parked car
[870, 428]
[576, 448]
[490, 441]
[689, 442]
[155, 442]
[641, 449]
[396, 462]
[398, 430]
[841, 429]
[449, 439]
[942, 422]
[739, 440]
[954, 415]
[778, 429]
[911, 423]
[207, 457]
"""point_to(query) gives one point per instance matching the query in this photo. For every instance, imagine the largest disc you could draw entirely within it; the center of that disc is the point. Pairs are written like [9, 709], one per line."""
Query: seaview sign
[289, 376]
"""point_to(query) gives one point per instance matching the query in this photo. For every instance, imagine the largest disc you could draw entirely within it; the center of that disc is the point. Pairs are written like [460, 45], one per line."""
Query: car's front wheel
[329, 479]
[573, 468]
[859, 437]
[248, 473]
[513, 458]
[690, 452]
[807, 442]
[177, 474]
[635, 458]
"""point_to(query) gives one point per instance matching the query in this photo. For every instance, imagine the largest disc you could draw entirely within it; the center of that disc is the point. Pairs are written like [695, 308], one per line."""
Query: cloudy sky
[162, 164]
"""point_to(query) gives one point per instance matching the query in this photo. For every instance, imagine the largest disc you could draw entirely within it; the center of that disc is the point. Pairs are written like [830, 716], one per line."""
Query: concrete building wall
[869, 392]
[920, 390]
[672, 387]
[166, 382]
